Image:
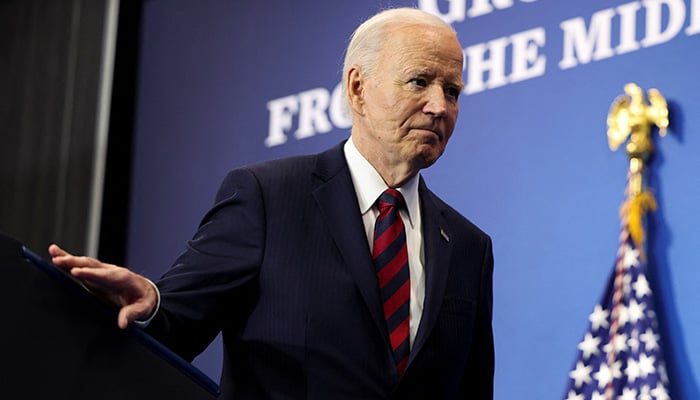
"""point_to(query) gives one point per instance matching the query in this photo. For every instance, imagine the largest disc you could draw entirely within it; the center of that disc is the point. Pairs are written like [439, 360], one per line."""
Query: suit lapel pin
[444, 235]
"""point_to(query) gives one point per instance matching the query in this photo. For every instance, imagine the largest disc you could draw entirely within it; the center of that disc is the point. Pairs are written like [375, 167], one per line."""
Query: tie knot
[390, 197]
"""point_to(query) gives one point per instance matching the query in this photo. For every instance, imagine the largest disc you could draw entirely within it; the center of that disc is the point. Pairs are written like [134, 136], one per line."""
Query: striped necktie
[391, 262]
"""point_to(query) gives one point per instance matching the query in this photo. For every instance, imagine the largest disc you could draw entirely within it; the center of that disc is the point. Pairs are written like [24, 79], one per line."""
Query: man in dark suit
[338, 275]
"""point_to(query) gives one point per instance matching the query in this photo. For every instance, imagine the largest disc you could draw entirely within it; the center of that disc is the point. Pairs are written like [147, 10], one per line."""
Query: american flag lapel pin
[444, 235]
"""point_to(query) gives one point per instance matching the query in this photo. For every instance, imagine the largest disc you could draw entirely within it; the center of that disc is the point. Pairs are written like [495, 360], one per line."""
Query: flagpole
[631, 117]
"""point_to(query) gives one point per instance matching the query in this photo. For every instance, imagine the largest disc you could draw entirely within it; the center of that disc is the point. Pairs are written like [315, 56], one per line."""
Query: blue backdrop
[225, 83]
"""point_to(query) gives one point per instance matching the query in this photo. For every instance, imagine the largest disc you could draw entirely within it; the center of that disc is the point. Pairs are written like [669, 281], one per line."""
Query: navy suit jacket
[281, 266]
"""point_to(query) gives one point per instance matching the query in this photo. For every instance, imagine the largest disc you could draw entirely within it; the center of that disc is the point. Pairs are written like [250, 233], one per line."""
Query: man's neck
[394, 172]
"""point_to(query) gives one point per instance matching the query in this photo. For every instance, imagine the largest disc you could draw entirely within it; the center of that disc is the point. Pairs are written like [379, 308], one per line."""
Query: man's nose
[436, 103]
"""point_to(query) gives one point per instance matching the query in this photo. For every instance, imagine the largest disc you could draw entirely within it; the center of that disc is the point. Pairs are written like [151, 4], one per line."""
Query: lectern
[59, 341]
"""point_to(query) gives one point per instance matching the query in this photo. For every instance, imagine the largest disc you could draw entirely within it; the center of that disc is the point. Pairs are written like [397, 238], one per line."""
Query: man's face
[411, 102]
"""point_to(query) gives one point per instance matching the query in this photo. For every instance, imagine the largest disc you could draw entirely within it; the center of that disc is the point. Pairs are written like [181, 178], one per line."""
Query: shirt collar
[369, 185]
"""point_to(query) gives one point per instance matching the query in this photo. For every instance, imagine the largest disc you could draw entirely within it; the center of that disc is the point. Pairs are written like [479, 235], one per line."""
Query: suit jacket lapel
[437, 250]
[337, 200]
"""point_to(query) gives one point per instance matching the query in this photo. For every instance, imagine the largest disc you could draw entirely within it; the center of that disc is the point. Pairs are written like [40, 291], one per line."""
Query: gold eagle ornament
[630, 116]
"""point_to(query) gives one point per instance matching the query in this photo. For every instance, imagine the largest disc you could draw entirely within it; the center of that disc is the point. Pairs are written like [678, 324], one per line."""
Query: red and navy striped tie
[391, 262]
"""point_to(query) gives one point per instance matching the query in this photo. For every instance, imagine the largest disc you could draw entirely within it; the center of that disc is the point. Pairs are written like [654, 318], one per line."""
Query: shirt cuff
[144, 323]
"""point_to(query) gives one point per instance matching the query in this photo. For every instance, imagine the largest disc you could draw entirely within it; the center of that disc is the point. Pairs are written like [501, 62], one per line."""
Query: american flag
[620, 357]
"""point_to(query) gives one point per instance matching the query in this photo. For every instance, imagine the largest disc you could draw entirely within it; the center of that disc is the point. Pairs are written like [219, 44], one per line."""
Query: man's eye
[453, 92]
[419, 82]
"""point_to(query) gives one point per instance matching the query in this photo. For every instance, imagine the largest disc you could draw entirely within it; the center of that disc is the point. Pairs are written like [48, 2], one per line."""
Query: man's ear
[356, 90]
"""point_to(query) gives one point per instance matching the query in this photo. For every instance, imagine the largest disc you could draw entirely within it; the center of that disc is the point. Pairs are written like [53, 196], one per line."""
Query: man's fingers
[70, 262]
[132, 292]
[95, 274]
[132, 312]
[111, 280]
[56, 251]
[60, 257]
[125, 317]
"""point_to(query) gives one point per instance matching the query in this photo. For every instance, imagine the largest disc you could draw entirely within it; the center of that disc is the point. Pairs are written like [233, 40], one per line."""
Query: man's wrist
[144, 323]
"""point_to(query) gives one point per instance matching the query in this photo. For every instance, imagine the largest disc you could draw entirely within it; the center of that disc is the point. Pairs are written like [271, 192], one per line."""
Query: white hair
[367, 42]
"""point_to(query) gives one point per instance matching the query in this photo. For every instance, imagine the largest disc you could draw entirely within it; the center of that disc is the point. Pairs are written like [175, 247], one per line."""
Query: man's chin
[429, 155]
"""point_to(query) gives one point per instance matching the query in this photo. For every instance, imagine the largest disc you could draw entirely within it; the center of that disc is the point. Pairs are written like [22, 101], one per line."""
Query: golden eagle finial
[631, 116]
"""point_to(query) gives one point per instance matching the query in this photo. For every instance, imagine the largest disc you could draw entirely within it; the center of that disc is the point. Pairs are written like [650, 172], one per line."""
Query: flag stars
[589, 346]
[621, 315]
[607, 374]
[641, 287]
[598, 396]
[645, 393]
[635, 311]
[627, 284]
[599, 318]
[573, 396]
[617, 344]
[633, 342]
[632, 371]
[628, 394]
[660, 393]
[630, 257]
[581, 374]
[620, 355]
[650, 339]
[646, 365]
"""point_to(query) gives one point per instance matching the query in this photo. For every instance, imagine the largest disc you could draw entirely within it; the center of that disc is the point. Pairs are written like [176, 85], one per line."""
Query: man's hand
[133, 293]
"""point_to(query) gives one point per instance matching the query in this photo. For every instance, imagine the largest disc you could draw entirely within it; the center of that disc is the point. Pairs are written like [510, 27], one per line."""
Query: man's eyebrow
[458, 84]
[418, 72]
[457, 81]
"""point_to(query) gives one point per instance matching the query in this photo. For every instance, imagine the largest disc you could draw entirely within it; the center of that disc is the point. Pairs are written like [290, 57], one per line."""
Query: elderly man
[338, 275]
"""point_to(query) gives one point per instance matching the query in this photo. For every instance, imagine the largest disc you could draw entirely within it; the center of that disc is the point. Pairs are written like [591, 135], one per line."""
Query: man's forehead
[422, 38]
[422, 60]
[402, 30]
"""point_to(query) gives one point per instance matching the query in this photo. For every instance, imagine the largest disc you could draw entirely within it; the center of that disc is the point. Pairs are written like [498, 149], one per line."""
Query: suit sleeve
[477, 382]
[212, 285]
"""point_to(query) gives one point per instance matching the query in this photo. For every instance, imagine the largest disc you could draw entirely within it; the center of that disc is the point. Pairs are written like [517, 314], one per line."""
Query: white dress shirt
[369, 185]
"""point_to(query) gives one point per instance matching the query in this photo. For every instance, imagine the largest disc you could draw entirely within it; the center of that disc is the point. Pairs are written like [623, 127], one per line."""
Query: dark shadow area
[117, 184]
[675, 115]
[68, 346]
